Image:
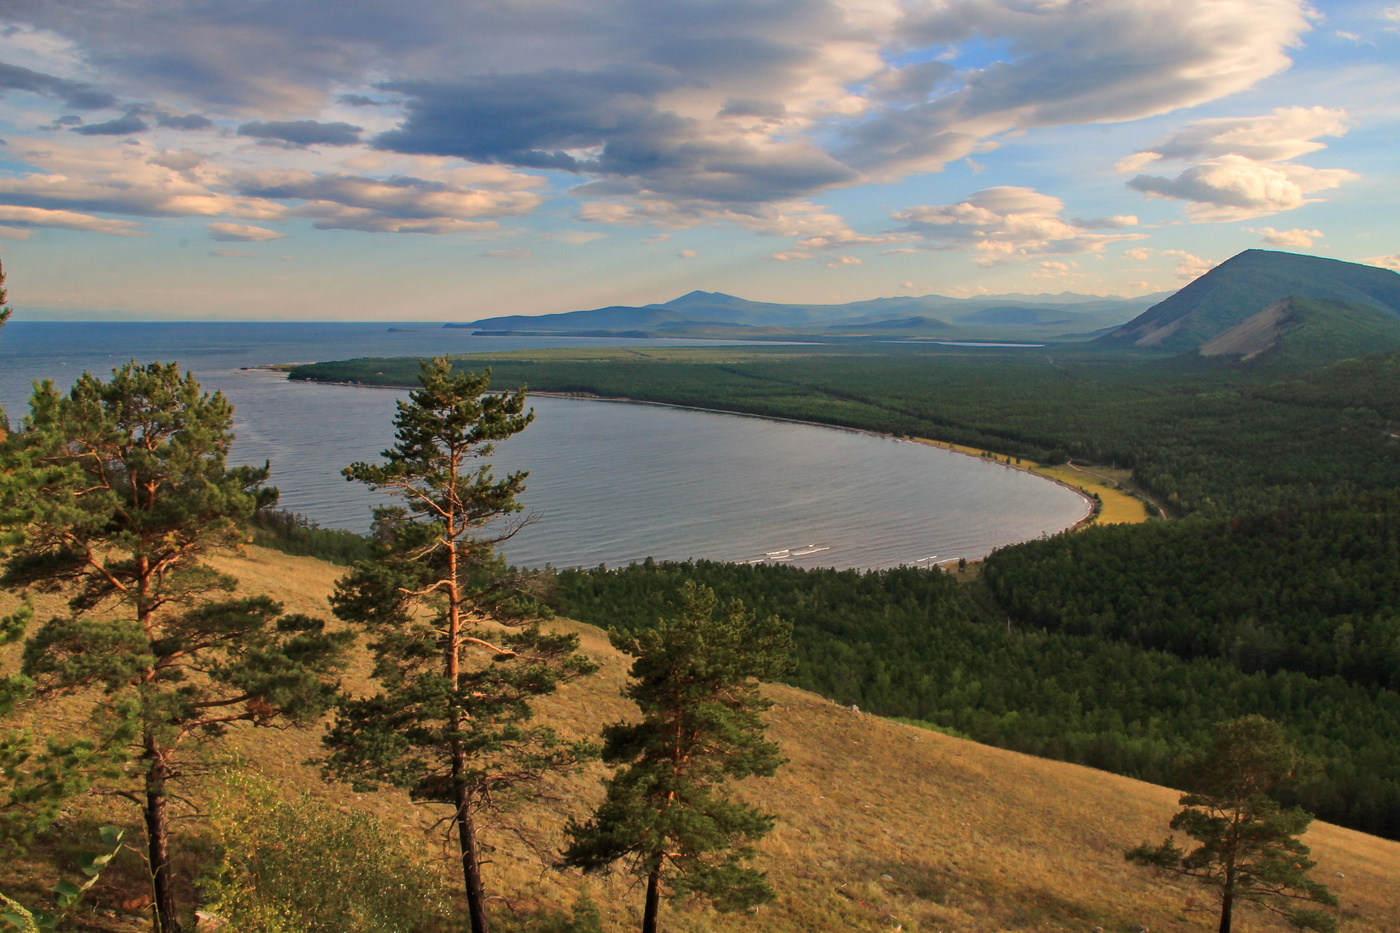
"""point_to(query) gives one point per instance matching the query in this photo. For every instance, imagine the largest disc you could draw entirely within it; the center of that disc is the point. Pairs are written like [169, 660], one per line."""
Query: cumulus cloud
[121, 126]
[1241, 165]
[126, 180]
[1075, 63]
[76, 95]
[727, 112]
[28, 217]
[187, 121]
[1005, 223]
[302, 133]
[686, 253]
[1295, 239]
[1385, 262]
[1189, 266]
[392, 205]
[1287, 133]
[1233, 187]
[231, 233]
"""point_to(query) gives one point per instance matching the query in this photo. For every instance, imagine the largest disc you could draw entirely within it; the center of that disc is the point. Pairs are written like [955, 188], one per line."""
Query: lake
[609, 482]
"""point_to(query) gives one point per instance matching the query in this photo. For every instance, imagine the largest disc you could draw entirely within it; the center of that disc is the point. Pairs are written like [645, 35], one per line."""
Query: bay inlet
[610, 482]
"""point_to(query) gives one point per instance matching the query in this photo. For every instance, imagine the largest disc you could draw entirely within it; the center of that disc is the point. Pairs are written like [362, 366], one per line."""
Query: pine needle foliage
[114, 495]
[668, 812]
[456, 635]
[1249, 849]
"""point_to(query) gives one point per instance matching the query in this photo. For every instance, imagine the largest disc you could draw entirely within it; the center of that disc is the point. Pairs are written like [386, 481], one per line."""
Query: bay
[609, 482]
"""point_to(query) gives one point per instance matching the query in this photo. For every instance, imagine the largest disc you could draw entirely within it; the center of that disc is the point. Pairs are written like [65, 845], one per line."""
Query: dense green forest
[1208, 438]
[916, 644]
[1116, 647]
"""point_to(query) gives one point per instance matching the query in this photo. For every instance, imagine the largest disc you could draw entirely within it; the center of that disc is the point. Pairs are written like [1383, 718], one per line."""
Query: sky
[458, 159]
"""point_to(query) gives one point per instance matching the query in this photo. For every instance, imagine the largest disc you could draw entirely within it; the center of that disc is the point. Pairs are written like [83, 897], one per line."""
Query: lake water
[609, 482]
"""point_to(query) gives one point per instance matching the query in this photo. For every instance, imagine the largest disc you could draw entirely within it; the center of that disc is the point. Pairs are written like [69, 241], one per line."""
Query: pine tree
[116, 493]
[458, 646]
[667, 811]
[1249, 848]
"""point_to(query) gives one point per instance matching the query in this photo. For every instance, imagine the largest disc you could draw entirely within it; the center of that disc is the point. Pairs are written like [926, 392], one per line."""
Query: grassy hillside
[881, 826]
[1246, 284]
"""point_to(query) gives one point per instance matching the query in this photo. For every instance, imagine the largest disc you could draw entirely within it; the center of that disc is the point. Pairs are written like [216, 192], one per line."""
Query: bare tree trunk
[471, 856]
[653, 899]
[1227, 905]
[158, 842]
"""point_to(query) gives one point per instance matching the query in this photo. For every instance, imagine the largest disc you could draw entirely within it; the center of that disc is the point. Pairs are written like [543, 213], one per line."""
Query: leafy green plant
[66, 893]
[293, 864]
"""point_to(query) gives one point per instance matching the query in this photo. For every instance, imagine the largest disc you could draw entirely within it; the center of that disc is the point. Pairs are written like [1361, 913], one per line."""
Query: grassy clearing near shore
[881, 825]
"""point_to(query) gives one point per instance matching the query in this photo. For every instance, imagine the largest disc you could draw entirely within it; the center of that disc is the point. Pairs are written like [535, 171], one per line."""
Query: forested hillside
[916, 644]
[1208, 438]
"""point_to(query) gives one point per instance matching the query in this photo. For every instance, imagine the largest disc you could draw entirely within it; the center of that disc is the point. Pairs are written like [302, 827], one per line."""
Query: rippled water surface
[609, 482]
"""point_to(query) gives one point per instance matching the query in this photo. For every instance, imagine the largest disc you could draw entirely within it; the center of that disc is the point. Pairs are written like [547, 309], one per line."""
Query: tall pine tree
[115, 493]
[458, 646]
[667, 811]
[1248, 849]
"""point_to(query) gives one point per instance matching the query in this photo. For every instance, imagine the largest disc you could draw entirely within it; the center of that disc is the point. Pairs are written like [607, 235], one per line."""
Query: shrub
[292, 864]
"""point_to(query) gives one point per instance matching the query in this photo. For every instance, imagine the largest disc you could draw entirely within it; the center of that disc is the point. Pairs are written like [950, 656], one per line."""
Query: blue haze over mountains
[1064, 316]
[1352, 307]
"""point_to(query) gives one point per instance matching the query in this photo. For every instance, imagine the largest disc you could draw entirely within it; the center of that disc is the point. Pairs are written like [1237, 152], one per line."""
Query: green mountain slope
[1299, 334]
[1248, 283]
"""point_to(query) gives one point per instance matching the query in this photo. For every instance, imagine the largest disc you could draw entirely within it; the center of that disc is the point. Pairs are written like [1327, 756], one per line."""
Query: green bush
[292, 864]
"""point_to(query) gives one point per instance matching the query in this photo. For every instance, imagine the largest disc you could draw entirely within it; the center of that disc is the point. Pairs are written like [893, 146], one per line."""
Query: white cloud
[1295, 239]
[724, 105]
[508, 254]
[1189, 266]
[241, 232]
[1005, 223]
[29, 217]
[841, 262]
[1241, 165]
[1385, 262]
[1286, 133]
[129, 180]
[686, 253]
[1232, 188]
[792, 256]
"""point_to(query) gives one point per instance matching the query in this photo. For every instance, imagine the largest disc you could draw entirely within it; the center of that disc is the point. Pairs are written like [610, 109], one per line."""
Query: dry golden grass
[881, 826]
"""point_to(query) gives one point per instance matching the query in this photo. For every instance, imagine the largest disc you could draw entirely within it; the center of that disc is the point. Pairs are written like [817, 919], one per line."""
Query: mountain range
[715, 314]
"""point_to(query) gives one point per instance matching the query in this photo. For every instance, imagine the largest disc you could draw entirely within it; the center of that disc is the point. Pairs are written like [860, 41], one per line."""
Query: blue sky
[450, 160]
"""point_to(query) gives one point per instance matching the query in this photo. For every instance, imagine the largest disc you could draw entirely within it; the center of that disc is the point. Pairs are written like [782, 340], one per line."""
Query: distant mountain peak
[1245, 285]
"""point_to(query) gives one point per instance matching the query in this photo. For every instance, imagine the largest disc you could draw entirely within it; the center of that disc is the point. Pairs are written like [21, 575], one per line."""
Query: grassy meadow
[880, 825]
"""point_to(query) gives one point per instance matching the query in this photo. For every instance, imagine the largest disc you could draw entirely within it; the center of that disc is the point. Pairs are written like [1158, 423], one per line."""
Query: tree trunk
[158, 843]
[1227, 904]
[471, 856]
[653, 899]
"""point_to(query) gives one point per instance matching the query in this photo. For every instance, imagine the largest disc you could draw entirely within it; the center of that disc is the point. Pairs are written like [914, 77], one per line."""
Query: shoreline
[1085, 497]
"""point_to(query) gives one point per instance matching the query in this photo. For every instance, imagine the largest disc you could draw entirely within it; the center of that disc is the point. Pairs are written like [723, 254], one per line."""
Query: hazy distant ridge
[932, 313]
